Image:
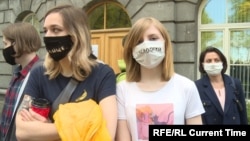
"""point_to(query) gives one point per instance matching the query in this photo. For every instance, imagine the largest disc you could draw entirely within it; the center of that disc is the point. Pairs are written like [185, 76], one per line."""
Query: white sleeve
[194, 104]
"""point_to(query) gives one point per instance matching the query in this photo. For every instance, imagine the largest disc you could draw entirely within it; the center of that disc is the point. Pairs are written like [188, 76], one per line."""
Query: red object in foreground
[41, 106]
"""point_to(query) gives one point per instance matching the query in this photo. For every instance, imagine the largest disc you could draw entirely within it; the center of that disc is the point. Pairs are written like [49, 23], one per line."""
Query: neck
[151, 75]
[217, 82]
[217, 78]
[66, 67]
[25, 59]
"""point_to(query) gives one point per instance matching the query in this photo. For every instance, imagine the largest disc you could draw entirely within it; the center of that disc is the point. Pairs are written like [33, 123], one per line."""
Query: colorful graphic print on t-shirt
[150, 114]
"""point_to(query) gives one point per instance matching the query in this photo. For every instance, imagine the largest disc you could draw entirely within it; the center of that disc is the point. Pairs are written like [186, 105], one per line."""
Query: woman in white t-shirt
[152, 92]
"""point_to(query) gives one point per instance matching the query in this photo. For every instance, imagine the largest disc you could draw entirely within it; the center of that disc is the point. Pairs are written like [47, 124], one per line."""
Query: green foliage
[248, 111]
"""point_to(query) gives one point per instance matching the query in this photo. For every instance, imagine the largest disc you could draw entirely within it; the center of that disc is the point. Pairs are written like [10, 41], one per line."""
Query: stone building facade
[180, 17]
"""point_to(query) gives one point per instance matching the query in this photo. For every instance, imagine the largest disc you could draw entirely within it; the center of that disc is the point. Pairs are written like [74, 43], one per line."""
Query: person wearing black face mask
[19, 50]
[8, 54]
[67, 39]
[58, 47]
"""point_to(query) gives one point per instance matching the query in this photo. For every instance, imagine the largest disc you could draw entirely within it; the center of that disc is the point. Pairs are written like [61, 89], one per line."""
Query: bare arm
[122, 133]
[109, 109]
[32, 126]
[194, 120]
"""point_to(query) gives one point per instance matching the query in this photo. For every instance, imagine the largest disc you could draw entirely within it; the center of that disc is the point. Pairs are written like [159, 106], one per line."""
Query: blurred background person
[222, 96]
[21, 42]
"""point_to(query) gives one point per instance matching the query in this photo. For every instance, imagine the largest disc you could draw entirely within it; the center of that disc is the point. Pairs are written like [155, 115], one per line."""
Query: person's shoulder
[39, 63]
[231, 78]
[227, 76]
[125, 85]
[199, 80]
[38, 66]
[181, 78]
[183, 81]
[101, 68]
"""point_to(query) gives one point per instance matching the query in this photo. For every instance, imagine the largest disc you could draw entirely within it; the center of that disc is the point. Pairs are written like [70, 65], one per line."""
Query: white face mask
[149, 53]
[213, 68]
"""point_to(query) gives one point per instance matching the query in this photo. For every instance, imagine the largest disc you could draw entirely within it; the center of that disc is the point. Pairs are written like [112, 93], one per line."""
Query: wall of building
[178, 16]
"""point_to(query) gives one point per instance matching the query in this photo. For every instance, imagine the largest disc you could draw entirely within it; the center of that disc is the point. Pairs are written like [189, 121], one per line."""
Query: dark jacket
[234, 112]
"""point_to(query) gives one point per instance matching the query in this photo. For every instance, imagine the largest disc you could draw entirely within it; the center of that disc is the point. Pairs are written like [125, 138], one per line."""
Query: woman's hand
[30, 115]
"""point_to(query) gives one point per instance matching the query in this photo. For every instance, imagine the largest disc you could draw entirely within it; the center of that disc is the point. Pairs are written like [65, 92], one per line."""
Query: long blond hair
[75, 23]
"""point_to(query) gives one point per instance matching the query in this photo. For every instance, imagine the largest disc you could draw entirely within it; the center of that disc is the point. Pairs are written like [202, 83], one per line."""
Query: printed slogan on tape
[157, 132]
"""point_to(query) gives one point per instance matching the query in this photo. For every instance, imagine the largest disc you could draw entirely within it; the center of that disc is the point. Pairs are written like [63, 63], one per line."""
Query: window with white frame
[225, 24]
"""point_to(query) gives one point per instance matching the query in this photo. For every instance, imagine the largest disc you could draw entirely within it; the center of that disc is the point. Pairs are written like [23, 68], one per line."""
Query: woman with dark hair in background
[222, 96]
